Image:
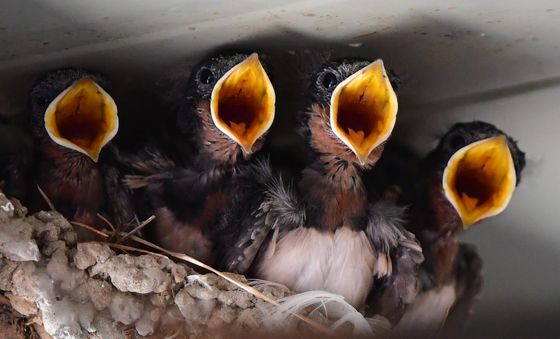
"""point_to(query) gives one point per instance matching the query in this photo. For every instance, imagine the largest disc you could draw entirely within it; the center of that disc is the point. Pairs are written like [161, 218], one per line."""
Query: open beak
[243, 103]
[83, 118]
[364, 109]
[479, 179]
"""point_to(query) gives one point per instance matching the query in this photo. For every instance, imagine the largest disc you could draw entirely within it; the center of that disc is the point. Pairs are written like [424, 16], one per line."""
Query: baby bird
[73, 119]
[470, 176]
[228, 106]
[326, 235]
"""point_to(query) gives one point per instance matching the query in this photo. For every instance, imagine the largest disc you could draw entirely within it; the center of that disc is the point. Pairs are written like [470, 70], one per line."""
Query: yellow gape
[364, 110]
[83, 118]
[243, 103]
[479, 179]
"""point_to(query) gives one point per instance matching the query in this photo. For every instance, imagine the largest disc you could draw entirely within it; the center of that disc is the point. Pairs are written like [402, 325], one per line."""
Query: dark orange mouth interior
[238, 110]
[243, 102]
[356, 118]
[364, 110]
[474, 182]
[479, 179]
[82, 119]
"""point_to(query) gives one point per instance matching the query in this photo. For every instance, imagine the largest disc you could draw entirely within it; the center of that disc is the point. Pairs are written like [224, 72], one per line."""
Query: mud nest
[53, 286]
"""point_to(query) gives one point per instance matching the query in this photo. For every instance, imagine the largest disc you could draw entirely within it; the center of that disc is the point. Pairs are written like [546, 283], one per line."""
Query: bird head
[481, 167]
[75, 111]
[234, 94]
[354, 109]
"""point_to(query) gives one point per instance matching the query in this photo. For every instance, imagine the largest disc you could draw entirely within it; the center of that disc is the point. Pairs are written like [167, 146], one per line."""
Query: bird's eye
[206, 76]
[329, 80]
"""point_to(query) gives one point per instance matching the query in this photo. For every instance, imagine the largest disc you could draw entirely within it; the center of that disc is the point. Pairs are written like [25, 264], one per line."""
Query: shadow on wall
[425, 51]
[520, 295]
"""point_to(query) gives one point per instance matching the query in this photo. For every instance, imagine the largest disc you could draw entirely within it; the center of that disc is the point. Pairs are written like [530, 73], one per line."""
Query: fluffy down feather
[261, 203]
[400, 286]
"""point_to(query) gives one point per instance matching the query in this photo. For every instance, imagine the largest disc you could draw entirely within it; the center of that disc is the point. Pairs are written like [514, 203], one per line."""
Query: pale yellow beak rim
[107, 117]
[486, 167]
[370, 90]
[245, 85]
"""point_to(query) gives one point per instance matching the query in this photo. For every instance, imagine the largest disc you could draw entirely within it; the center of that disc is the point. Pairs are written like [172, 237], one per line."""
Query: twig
[47, 200]
[113, 228]
[138, 228]
[98, 232]
[130, 248]
[134, 219]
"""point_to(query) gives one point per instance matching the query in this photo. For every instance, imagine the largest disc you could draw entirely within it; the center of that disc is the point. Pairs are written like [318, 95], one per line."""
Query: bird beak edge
[364, 109]
[83, 118]
[479, 179]
[243, 103]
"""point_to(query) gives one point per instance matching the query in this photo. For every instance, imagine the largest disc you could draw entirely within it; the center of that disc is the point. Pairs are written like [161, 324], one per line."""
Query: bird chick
[227, 106]
[469, 177]
[73, 119]
[327, 236]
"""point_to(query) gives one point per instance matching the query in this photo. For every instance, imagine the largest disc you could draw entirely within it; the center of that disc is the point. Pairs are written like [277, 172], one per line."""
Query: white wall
[459, 60]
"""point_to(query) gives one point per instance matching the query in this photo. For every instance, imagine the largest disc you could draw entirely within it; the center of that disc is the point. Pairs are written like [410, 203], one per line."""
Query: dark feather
[146, 160]
[118, 203]
[181, 189]
[186, 204]
[469, 280]
[261, 202]
[388, 235]
[16, 160]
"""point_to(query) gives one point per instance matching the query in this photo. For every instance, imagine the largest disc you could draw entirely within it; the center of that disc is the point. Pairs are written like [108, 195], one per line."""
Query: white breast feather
[428, 312]
[305, 259]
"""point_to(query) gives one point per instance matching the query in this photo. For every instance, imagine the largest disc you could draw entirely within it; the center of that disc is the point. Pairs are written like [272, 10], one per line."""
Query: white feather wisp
[324, 307]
